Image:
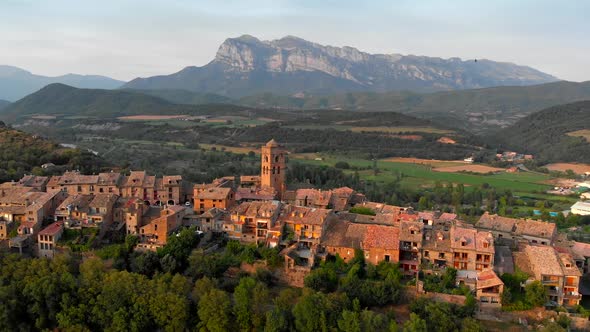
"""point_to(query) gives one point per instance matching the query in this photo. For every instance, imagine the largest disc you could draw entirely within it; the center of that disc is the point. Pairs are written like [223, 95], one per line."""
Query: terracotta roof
[426, 215]
[272, 143]
[52, 229]
[135, 179]
[74, 178]
[54, 181]
[407, 227]
[15, 195]
[257, 209]
[33, 181]
[484, 242]
[378, 219]
[249, 178]
[382, 208]
[488, 278]
[496, 223]
[80, 202]
[436, 239]
[581, 249]
[171, 180]
[463, 238]
[255, 194]
[304, 215]
[344, 234]
[214, 193]
[448, 216]
[103, 201]
[568, 265]
[109, 178]
[522, 262]
[543, 261]
[381, 237]
[535, 228]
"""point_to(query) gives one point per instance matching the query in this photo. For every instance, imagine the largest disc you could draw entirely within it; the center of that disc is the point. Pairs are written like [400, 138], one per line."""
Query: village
[307, 225]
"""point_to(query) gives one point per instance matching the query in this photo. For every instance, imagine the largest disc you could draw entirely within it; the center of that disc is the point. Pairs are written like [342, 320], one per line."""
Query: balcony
[572, 295]
[550, 281]
[408, 247]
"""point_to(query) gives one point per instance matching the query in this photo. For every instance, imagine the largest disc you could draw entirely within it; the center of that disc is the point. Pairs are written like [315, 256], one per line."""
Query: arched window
[266, 158]
[277, 159]
[273, 170]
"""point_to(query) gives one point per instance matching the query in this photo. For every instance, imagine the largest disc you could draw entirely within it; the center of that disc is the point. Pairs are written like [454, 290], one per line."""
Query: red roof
[52, 229]
[384, 237]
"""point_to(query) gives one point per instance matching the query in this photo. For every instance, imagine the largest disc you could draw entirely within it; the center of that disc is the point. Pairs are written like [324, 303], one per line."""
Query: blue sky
[125, 39]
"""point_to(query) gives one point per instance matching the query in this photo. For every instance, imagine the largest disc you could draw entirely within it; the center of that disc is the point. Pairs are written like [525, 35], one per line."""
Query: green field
[416, 176]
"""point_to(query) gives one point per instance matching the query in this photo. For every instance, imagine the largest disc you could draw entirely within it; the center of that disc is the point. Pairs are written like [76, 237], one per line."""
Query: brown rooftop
[52, 229]
[381, 237]
[214, 193]
[488, 278]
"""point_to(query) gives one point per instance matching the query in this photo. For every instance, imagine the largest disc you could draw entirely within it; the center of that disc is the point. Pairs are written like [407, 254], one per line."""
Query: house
[556, 271]
[339, 199]
[211, 220]
[83, 211]
[255, 194]
[109, 183]
[381, 243]
[155, 233]
[48, 237]
[168, 190]
[255, 222]
[489, 288]
[217, 197]
[436, 248]
[581, 252]
[250, 181]
[533, 231]
[471, 249]
[410, 238]
[581, 208]
[342, 238]
[34, 181]
[306, 225]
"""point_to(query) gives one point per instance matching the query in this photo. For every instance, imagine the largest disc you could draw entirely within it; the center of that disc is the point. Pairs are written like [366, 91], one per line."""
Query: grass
[233, 149]
[421, 175]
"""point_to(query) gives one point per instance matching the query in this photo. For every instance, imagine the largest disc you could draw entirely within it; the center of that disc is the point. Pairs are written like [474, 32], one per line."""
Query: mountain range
[293, 66]
[15, 83]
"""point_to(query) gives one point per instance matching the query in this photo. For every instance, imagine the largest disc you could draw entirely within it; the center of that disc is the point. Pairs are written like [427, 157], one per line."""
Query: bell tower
[273, 168]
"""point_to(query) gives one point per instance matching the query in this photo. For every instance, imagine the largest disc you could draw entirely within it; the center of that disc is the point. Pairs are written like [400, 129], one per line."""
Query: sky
[125, 39]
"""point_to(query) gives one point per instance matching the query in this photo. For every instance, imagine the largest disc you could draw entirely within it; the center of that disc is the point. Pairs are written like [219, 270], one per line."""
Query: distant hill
[245, 66]
[186, 97]
[559, 133]
[60, 99]
[15, 83]
[23, 153]
[474, 110]
[3, 103]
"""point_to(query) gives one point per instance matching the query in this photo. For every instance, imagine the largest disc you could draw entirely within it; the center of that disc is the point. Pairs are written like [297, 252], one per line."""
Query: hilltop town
[308, 226]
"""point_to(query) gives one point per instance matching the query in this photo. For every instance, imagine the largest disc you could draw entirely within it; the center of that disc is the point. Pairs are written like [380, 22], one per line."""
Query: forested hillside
[558, 133]
[22, 153]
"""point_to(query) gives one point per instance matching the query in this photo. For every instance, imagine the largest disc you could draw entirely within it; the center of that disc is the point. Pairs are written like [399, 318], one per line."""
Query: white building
[581, 208]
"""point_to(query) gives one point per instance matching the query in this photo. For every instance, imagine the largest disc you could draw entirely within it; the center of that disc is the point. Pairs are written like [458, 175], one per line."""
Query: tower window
[277, 159]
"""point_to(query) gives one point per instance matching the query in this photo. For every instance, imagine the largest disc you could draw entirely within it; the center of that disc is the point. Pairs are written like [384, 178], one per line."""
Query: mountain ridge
[16, 83]
[246, 65]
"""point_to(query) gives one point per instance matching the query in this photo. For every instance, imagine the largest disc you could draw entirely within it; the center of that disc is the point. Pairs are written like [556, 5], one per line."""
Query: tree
[535, 294]
[215, 312]
[249, 298]
[351, 319]
[415, 324]
[471, 325]
[310, 313]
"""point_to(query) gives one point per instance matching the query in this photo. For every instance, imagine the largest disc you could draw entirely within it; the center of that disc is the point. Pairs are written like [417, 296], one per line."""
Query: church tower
[273, 168]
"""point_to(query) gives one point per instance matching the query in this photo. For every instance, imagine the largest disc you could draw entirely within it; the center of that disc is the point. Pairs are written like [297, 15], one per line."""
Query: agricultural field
[421, 176]
[585, 133]
[483, 169]
[563, 167]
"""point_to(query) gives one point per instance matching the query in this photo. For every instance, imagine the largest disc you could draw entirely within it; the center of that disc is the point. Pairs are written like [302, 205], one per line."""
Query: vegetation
[22, 153]
[545, 134]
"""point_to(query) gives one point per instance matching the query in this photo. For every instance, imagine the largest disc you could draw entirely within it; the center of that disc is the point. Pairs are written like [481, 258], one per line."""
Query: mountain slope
[559, 133]
[15, 83]
[186, 97]
[245, 66]
[60, 99]
[475, 110]
[3, 103]
[22, 153]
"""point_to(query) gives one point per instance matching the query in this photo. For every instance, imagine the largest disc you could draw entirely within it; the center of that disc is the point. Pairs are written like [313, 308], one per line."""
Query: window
[426, 254]
[387, 258]
[463, 243]
[485, 244]
[79, 188]
[441, 255]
